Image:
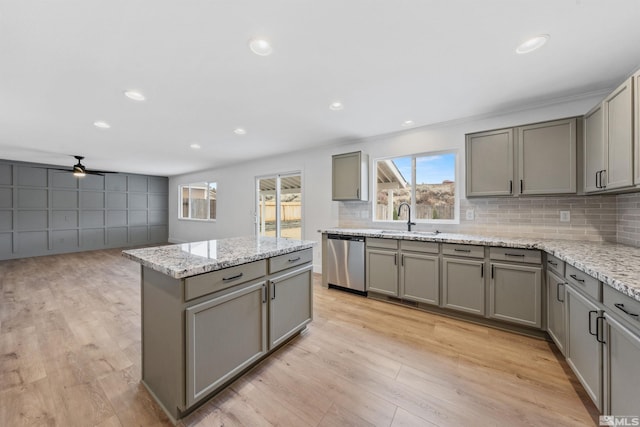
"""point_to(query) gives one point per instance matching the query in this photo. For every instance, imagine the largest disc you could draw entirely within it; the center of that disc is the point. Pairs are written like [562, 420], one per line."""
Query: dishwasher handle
[343, 237]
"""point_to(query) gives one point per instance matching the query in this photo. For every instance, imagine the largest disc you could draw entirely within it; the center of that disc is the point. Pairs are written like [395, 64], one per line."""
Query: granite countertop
[189, 259]
[614, 264]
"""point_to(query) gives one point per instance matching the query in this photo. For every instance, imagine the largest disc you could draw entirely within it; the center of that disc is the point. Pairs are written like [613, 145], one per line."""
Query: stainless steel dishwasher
[346, 262]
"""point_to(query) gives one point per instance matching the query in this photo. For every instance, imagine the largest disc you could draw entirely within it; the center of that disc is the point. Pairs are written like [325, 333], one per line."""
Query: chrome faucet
[409, 223]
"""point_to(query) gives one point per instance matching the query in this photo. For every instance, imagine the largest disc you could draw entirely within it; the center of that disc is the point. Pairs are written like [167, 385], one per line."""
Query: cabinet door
[547, 157]
[618, 119]
[555, 310]
[583, 351]
[594, 149]
[290, 304]
[515, 294]
[463, 286]
[382, 272]
[621, 369]
[420, 278]
[224, 335]
[347, 177]
[489, 165]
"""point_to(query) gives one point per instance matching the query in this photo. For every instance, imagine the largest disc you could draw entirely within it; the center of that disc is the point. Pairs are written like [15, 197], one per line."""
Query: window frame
[198, 184]
[414, 156]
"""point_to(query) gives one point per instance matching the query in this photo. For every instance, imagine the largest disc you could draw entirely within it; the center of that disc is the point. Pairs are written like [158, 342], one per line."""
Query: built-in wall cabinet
[46, 211]
[608, 154]
[535, 159]
[350, 177]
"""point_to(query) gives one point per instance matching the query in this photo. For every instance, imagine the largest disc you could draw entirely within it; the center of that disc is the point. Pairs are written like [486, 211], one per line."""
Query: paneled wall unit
[44, 211]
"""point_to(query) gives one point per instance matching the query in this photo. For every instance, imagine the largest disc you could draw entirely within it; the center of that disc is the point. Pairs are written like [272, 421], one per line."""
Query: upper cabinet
[349, 177]
[608, 154]
[489, 163]
[545, 160]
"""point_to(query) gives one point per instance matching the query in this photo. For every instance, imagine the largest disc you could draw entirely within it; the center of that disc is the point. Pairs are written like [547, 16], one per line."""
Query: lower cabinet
[382, 271]
[290, 304]
[515, 294]
[621, 369]
[463, 287]
[583, 348]
[224, 335]
[420, 277]
[556, 289]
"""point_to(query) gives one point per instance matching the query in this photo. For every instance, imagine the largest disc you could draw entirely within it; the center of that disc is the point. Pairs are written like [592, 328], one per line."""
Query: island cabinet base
[196, 343]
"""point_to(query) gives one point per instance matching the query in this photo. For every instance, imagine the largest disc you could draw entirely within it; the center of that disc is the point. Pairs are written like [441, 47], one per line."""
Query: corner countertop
[613, 264]
[189, 259]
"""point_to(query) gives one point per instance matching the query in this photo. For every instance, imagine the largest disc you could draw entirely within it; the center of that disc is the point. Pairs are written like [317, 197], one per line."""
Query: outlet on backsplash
[471, 214]
[565, 216]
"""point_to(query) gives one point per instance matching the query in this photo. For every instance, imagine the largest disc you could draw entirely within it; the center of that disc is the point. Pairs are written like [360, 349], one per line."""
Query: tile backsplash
[628, 214]
[594, 218]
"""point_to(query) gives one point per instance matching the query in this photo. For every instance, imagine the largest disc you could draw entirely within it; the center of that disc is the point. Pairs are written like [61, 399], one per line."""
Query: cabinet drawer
[471, 251]
[215, 281]
[590, 285]
[412, 245]
[518, 255]
[373, 242]
[618, 303]
[555, 264]
[282, 262]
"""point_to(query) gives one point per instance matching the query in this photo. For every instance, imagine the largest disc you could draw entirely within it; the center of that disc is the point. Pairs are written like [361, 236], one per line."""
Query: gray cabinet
[419, 277]
[382, 271]
[224, 335]
[382, 266]
[349, 178]
[489, 163]
[618, 124]
[547, 157]
[463, 285]
[594, 150]
[583, 350]
[608, 154]
[556, 288]
[515, 294]
[621, 369]
[290, 304]
[621, 353]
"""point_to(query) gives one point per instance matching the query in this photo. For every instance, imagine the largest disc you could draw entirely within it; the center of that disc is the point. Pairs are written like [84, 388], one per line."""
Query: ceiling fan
[79, 170]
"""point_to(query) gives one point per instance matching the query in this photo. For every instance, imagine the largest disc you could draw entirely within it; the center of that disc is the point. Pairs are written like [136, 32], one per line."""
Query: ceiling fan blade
[57, 169]
[101, 173]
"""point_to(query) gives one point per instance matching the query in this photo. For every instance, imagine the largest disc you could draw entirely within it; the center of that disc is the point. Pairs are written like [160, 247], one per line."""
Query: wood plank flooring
[70, 356]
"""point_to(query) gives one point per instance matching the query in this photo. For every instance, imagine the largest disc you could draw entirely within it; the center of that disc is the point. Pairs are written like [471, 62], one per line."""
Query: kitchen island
[213, 309]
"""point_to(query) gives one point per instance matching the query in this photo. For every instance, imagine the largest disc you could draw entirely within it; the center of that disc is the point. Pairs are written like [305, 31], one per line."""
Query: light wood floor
[70, 356]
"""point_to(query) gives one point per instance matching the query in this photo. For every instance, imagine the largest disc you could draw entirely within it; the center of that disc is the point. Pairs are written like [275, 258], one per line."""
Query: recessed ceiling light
[195, 146]
[101, 124]
[135, 95]
[336, 106]
[407, 123]
[260, 47]
[239, 131]
[532, 44]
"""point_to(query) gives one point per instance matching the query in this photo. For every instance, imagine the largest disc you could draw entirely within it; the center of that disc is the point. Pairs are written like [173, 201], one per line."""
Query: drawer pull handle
[558, 291]
[595, 334]
[237, 276]
[600, 329]
[620, 307]
[462, 250]
[294, 259]
[555, 264]
[574, 277]
[508, 254]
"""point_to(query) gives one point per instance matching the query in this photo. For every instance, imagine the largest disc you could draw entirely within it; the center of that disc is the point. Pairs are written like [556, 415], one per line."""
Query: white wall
[236, 184]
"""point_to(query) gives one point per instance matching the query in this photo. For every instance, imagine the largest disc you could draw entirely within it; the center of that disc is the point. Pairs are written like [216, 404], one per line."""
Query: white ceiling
[65, 64]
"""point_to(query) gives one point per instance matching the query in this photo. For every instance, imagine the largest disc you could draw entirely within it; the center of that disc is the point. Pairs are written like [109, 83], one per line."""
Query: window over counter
[198, 201]
[426, 181]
